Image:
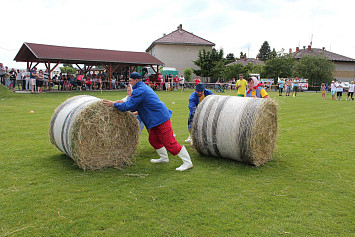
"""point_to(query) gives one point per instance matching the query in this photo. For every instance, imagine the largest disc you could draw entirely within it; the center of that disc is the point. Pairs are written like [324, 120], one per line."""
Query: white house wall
[177, 56]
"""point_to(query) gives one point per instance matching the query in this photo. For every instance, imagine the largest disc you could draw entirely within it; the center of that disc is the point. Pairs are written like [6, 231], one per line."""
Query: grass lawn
[306, 190]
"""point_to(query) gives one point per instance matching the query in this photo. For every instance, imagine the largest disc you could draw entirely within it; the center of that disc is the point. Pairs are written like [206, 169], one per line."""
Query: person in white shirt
[182, 82]
[333, 89]
[19, 79]
[28, 80]
[351, 90]
[339, 90]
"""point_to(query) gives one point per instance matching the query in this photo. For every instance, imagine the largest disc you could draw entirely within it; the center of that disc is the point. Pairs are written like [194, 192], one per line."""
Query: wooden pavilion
[52, 56]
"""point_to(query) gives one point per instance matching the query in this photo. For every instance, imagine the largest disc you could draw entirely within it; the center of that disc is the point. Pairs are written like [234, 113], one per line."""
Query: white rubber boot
[189, 139]
[163, 153]
[185, 157]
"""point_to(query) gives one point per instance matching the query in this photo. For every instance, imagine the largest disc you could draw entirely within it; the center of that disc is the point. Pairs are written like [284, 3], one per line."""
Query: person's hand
[135, 113]
[118, 101]
[253, 96]
[108, 103]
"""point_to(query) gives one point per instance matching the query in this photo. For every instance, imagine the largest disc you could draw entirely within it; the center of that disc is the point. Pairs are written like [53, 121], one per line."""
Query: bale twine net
[93, 135]
[238, 128]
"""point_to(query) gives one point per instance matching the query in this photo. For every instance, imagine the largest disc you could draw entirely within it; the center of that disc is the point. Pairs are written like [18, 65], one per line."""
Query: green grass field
[306, 190]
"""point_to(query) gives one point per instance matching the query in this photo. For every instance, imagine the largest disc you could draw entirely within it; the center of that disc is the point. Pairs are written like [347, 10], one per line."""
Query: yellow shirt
[263, 93]
[243, 86]
[201, 98]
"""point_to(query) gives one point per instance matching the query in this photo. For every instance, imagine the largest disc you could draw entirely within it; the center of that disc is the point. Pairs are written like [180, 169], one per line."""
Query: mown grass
[306, 190]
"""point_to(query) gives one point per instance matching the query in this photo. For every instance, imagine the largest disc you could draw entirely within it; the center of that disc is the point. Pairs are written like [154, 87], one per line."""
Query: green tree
[317, 69]
[207, 60]
[232, 71]
[264, 52]
[187, 74]
[273, 53]
[254, 68]
[230, 58]
[282, 66]
[68, 68]
[242, 55]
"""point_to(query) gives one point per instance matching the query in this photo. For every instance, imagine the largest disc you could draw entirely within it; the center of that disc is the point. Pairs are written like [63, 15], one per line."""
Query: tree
[273, 54]
[187, 74]
[317, 69]
[282, 66]
[68, 68]
[230, 58]
[242, 55]
[264, 52]
[232, 71]
[207, 60]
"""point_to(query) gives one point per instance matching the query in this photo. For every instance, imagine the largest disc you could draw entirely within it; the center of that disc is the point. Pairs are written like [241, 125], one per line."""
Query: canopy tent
[109, 59]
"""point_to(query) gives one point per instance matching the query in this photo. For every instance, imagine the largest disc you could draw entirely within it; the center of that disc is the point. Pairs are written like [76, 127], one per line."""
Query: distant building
[344, 66]
[179, 49]
[245, 61]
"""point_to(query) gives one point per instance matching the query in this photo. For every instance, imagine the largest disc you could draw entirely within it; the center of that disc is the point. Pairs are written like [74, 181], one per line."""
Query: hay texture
[93, 135]
[242, 129]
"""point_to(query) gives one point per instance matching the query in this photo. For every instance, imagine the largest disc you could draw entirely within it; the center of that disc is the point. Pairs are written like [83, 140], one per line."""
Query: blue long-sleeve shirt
[193, 102]
[151, 110]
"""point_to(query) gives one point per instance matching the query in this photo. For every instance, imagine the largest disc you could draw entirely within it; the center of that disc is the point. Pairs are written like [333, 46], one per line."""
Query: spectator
[33, 77]
[339, 90]
[281, 86]
[7, 78]
[195, 98]
[176, 82]
[255, 89]
[351, 91]
[45, 80]
[333, 89]
[197, 80]
[241, 86]
[39, 82]
[19, 79]
[2, 73]
[323, 89]
[288, 86]
[296, 86]
[79, 82]
[28, 79]
[182, 82]
[13, 75]
[219, 86]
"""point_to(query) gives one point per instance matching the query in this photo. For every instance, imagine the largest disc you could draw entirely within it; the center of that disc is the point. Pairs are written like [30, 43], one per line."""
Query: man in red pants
[156, 117]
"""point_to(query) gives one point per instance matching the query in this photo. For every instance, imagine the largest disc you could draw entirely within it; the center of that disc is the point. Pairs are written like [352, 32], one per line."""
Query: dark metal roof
[315, 52]
[181, 37]
[30, 52]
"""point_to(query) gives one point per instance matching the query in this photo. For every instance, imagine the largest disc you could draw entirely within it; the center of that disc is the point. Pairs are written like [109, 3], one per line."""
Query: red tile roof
[330, 55]
[246, 61]
[181, 37]
[50, 53]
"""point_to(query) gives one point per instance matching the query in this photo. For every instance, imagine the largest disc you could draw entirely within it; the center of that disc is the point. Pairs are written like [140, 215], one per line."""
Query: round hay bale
[242, 129]
[93, 135]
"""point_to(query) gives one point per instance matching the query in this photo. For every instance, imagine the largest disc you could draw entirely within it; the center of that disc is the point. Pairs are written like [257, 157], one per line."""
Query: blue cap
[200, 87]
[135, 75]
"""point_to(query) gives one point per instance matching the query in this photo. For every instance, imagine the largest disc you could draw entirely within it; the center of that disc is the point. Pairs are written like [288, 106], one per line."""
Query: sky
[233, 25]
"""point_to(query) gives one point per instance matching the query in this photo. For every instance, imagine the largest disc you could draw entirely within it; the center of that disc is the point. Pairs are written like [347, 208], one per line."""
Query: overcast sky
[234, 25]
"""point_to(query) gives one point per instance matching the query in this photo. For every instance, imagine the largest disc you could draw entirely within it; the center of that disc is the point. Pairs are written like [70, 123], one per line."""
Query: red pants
[162, 135]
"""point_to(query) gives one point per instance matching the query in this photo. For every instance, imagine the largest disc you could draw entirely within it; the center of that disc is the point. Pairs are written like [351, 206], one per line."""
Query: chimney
[323, 48]
[290, 51]
[297, 49]
[309, 47]
[304, 47]
[245, 58]
[164, 34]
[179, 27]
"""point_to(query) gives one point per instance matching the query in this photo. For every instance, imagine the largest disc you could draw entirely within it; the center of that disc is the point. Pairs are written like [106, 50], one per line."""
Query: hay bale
[242, 129]
[93, 135]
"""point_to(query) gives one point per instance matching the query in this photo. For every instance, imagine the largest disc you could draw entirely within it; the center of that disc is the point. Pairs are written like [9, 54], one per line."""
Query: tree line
[212, 63]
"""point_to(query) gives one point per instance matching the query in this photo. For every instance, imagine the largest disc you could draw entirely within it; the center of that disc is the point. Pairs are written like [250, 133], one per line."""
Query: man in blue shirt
[196, 97]
[156, 117]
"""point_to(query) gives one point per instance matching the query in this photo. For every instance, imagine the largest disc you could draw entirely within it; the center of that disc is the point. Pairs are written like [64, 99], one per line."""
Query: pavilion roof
[31, 52]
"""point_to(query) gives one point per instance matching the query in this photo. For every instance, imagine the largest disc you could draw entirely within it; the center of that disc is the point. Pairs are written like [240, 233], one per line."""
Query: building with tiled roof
[344, 66]
[179, 49]
[245, 61]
